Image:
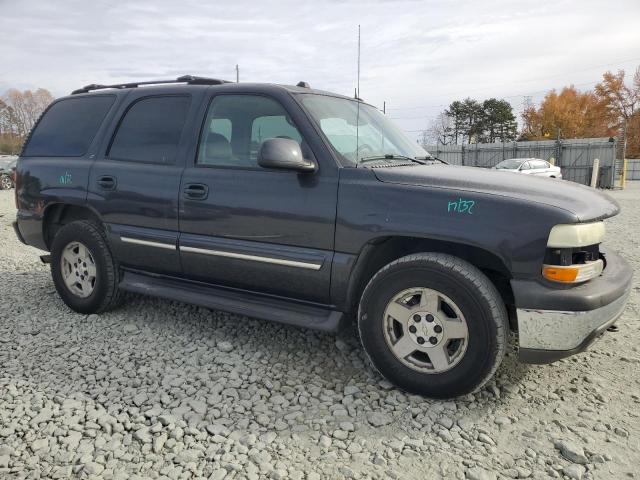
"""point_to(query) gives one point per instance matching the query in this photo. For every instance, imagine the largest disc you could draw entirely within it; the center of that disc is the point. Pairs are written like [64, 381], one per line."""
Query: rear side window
[68, 127]
[150, 130]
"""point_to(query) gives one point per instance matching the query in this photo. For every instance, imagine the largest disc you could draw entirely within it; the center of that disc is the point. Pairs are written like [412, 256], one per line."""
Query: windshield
[510, 164]
[359, 135]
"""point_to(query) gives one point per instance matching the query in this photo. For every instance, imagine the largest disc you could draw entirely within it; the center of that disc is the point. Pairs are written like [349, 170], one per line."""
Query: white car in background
[530, 166]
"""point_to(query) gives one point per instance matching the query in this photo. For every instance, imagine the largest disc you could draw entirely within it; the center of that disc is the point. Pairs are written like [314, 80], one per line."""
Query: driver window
[236, 126]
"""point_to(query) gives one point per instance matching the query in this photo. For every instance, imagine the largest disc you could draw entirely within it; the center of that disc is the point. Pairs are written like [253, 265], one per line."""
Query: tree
[19, 111]
[469, 121]
[573, 113]
[439, 132]
[622, 103]
[499, 122]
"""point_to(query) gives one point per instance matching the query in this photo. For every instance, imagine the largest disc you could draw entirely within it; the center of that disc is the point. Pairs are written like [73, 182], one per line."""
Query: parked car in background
[530, 166]
[7, 171]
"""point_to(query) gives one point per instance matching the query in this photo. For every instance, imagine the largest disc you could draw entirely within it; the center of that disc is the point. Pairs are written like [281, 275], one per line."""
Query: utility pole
[384, 107]
[237, 73]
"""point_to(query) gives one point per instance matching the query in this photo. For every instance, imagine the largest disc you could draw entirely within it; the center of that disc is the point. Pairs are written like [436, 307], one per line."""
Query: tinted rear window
[150, 130]
[68, 127]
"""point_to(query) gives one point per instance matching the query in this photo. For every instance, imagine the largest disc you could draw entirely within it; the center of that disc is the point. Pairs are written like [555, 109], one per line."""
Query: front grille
[572, 256]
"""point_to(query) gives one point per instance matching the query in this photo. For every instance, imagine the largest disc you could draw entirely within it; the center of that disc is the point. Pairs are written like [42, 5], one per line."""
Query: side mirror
[285, 154]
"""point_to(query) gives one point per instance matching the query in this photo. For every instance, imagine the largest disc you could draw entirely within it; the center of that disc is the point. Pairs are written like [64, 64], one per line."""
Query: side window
[271, 126]
[236, 126]
[221, 126]
[541, 164]
[150, 130]
[68, 127]
[526, 166]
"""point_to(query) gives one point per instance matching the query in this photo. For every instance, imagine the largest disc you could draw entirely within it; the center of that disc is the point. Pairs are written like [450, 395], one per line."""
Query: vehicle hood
[587, 204]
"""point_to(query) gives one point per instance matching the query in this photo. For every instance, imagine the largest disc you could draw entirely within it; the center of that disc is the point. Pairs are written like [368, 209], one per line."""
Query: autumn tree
[19, 111]
[570, 113]
[622, 103]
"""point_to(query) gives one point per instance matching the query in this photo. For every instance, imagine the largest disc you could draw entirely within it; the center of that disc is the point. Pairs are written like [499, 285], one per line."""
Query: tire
[424, 291]
[5, 182]
[101, 292]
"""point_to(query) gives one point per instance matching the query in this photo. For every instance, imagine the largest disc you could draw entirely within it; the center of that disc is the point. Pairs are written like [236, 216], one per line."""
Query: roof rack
[189, 79]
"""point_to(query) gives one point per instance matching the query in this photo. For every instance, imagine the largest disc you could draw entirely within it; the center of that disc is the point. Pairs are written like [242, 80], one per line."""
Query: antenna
[237, 73]
[358, 89]
[358, 104]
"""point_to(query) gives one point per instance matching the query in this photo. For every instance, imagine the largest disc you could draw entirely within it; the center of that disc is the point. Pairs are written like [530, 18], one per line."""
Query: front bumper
[568, 320]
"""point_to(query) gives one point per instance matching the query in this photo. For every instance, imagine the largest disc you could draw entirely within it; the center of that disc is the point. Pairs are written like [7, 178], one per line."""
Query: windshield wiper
[432, 157]
[390, 156]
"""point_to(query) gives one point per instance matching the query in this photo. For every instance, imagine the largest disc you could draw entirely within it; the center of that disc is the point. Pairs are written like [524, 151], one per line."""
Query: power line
[528, 94]
[390, 107]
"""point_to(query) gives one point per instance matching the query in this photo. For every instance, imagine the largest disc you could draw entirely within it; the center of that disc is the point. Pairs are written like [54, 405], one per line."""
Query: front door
[134, 182]
[252, 228]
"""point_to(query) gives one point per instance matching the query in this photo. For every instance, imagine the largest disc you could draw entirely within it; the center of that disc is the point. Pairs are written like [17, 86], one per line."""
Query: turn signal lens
[573, 273]
[567, 275]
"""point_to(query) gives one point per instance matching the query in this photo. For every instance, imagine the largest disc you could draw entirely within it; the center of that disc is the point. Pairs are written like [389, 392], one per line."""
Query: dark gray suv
[310, 208]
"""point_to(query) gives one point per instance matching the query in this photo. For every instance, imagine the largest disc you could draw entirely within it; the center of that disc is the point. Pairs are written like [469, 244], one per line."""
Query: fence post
[623, 177]
[594, 172]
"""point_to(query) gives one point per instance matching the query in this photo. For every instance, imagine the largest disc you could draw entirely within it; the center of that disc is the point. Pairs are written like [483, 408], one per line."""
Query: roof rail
[189, 79]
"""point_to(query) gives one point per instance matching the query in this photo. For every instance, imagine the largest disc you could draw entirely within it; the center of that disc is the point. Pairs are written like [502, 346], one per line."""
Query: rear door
[252, 228]
[540, 168]
[134, 182]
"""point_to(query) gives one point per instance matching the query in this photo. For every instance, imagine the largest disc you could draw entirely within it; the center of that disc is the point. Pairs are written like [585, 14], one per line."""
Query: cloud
[414, 53]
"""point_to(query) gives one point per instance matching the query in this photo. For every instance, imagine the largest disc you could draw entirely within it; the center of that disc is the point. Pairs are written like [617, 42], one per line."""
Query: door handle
[196, 191]
[107, 182]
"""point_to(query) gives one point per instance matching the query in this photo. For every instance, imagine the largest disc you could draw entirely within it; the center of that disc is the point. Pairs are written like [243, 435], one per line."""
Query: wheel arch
[56, 215]
[383, 250]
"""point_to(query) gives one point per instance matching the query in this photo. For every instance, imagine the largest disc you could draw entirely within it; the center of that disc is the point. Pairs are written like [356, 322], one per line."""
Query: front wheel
[433, 325]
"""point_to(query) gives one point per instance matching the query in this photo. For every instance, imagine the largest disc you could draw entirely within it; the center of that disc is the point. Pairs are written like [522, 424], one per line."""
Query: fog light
[573, 273]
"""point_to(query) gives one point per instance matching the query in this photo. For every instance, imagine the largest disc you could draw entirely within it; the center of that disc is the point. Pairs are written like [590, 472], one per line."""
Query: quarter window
[236, 126]
[150, 130]
[68, 127]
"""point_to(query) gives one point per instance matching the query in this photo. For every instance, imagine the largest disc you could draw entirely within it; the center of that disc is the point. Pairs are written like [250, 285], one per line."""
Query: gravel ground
[159, 389]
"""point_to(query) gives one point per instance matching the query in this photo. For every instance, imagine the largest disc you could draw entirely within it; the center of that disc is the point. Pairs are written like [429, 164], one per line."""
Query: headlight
[577, 235]
[573, 254]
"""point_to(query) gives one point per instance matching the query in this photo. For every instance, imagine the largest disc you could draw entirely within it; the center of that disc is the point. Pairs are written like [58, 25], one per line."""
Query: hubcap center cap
[425, 329]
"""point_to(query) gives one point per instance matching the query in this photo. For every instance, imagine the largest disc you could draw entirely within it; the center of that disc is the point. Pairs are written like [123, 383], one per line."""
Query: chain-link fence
[633, 169]
[574, 156]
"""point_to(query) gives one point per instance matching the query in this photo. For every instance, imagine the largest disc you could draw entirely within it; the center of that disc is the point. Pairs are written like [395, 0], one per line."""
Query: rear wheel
[5, 182]
[83, 269]
[433, 324]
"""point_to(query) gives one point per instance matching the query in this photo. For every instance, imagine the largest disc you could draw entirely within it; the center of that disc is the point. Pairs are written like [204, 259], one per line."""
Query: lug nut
[413, 329]
[433, 340]
[437, 329]
[429, 318]
[420, 340]
[416, 318]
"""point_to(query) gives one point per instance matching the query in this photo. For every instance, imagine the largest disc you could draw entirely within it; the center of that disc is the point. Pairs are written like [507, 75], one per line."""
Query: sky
[417, 56]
